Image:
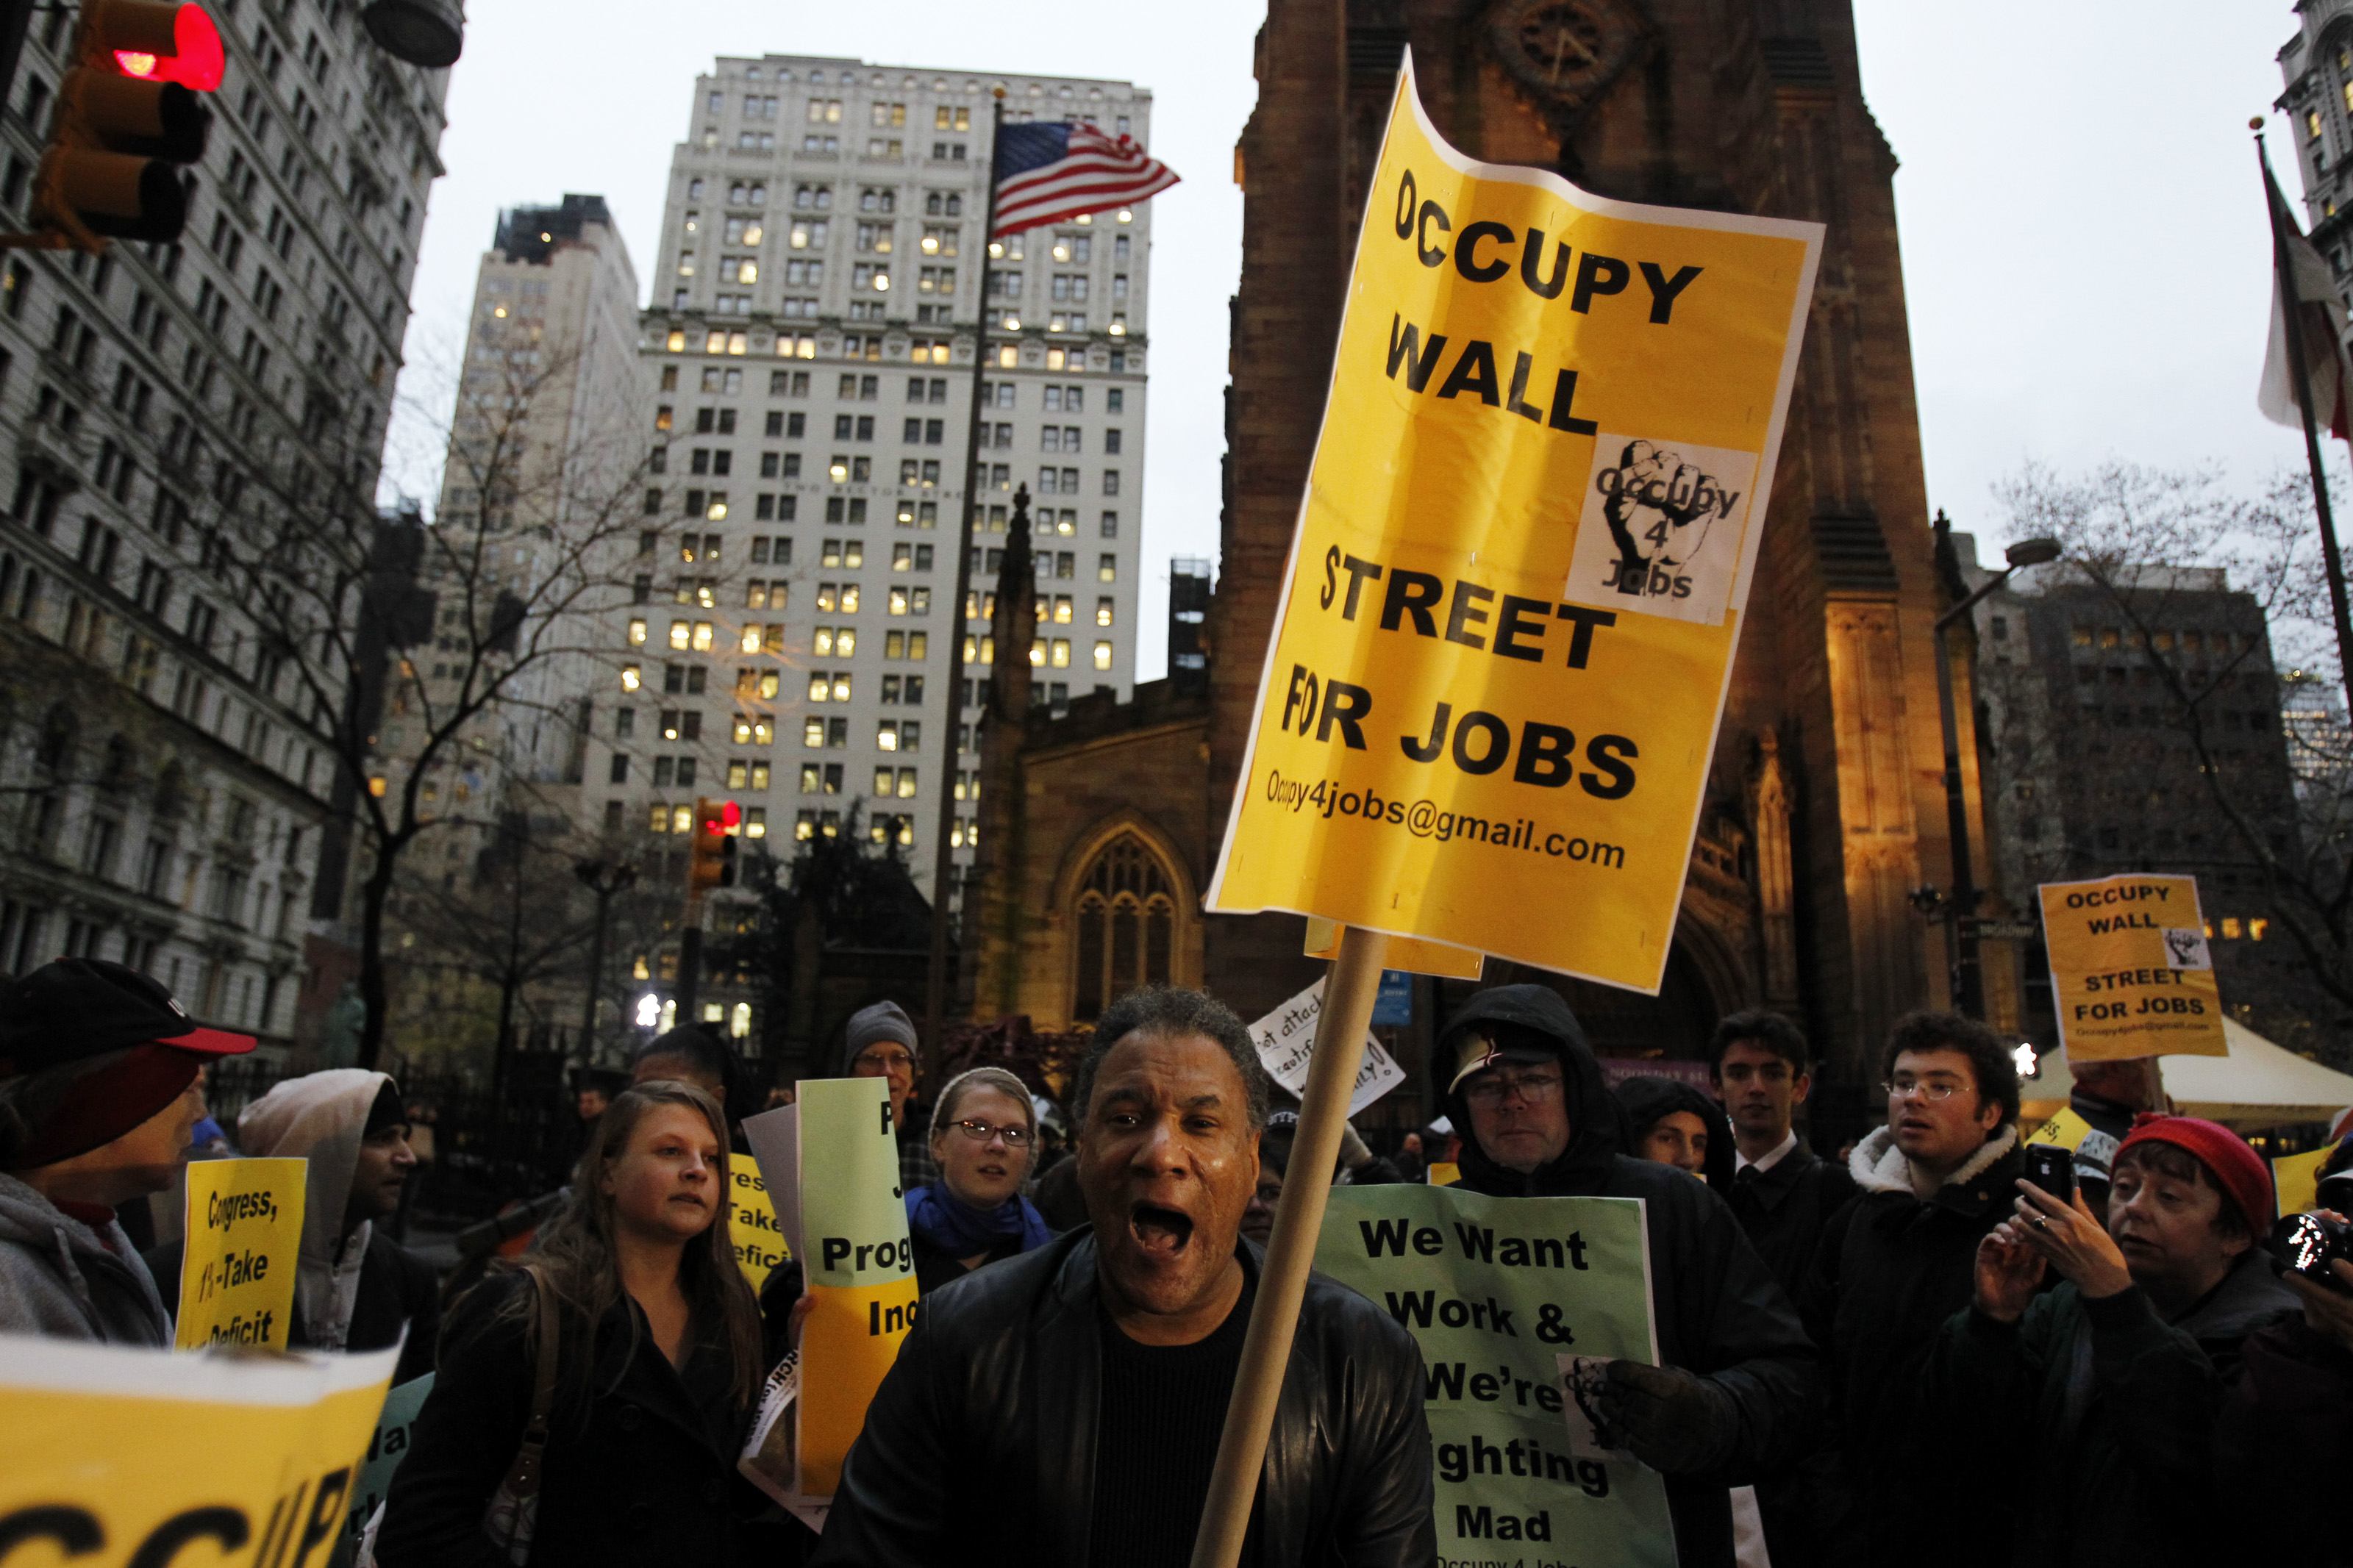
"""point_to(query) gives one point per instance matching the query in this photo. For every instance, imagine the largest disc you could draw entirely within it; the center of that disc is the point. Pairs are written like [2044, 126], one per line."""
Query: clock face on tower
[1564, 53]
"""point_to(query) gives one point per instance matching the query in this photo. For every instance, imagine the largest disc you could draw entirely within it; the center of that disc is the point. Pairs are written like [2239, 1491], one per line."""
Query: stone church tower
[1826, 805]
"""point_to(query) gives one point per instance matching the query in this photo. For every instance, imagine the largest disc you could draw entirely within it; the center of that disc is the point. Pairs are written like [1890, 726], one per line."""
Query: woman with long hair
[656, 1362]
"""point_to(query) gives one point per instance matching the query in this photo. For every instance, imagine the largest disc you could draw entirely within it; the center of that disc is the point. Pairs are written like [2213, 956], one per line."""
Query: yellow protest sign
[832, 1163]
[2295, 1178]
[752, 1227]
[244, 1233]
[112, 1457]
[1407, 957]
[2130, 972]
[2066, 1131]
[1521, 564]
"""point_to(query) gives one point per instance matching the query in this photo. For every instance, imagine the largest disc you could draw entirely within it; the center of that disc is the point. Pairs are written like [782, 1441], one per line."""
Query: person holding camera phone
[2112, 1365]
[2284, 1439]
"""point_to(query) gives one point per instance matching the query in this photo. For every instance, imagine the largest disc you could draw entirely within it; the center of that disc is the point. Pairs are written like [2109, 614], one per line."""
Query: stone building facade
[165, 412]
[1825, 807]
[2317, 69]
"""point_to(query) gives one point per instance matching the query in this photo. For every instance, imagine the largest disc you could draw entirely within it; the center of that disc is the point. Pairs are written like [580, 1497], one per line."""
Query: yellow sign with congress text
[1521, 564]
[752, 1227]
[112, 1457]
[244, 1233]
[2130, 971]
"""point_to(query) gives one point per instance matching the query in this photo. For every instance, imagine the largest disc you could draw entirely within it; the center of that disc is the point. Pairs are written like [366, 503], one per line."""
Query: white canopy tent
[2258, 1085]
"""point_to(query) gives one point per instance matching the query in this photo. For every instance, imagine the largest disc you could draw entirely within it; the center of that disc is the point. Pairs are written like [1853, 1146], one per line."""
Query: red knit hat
[2237, 1169]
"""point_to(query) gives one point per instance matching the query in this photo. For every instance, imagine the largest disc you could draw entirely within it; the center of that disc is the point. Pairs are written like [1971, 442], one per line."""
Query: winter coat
[397, 1290]
[2093, 1416]
[70, 1280]
[640, 1468]
[1889, 1268]
[1718, 1312]
[980, 1447]
[2249, 1298]
[1784, 1210]
[2283, 1445]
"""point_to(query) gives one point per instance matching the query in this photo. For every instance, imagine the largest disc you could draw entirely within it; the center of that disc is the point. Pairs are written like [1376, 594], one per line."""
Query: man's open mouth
[1160, 1230]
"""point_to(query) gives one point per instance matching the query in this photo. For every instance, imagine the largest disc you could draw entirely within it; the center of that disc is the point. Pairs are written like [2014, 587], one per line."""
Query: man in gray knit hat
[880, 1042]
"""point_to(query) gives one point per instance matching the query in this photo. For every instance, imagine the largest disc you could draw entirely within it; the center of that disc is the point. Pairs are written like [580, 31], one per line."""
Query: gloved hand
[1675, 1423]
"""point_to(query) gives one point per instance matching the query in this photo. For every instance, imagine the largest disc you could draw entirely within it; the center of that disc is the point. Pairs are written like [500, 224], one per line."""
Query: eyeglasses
[1934, 1090]
[982, 1132]
[1536, 1088]
[882, 1061]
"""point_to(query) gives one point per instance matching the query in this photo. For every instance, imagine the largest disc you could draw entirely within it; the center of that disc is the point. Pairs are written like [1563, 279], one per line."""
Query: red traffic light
[710, 858]
[158, 42]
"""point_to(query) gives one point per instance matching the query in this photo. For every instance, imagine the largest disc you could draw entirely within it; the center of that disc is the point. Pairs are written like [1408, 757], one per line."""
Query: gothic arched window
[1127, 920]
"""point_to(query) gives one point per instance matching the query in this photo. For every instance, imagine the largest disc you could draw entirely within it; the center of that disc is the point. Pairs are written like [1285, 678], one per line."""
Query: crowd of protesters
[1908, 1352]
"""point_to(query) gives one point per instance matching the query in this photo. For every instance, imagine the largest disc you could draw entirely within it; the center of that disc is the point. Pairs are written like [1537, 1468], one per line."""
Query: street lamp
[604, 878]
[1961, 939]
[427, 33]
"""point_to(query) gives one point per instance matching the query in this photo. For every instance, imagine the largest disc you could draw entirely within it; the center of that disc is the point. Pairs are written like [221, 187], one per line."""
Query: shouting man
[1067, 1403]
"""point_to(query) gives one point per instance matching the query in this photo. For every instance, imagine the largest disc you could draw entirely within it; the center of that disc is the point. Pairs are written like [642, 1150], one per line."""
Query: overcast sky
[2082, 228]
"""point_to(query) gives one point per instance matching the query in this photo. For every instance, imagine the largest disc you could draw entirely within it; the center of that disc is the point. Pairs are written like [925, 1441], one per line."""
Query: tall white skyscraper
[809, 358]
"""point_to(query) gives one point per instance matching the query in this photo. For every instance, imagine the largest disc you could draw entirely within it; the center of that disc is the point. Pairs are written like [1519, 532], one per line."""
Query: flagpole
[935, 978]
[2332, 559]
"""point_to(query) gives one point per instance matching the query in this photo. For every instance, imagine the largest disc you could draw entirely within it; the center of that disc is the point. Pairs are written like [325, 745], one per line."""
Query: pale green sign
[1504, 1297]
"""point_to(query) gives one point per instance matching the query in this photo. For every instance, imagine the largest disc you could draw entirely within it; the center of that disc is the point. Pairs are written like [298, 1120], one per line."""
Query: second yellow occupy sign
[2130, 974]
[1521, 564]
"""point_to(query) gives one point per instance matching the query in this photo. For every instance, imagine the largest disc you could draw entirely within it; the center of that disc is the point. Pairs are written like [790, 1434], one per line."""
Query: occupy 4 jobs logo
[1661, 528]
[2185, 949]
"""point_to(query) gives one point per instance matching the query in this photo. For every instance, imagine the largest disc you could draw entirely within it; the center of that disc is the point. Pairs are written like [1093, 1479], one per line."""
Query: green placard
[1501, 1293]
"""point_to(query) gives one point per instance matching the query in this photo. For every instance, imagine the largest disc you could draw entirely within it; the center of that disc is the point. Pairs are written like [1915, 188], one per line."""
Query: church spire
[1013, 626]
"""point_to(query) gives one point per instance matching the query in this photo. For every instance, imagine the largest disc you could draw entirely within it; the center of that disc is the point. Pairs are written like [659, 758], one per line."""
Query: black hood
[1596, 1127]
[1648, 1097]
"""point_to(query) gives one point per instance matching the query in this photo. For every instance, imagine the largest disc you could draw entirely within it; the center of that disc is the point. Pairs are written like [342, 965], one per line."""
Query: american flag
[1048, 173]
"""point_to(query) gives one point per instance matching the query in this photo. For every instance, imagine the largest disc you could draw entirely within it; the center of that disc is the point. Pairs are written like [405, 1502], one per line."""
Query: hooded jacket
[66, 1279]
[1719, 1312]
[1650, 1101]
[353, 1292]
[1891, 1267]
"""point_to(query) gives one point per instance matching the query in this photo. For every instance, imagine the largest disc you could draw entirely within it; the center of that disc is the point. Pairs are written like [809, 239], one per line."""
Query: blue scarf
[959, 1230]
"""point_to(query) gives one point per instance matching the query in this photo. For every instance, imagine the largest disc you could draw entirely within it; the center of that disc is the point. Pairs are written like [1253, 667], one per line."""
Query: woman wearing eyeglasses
[985, 1138]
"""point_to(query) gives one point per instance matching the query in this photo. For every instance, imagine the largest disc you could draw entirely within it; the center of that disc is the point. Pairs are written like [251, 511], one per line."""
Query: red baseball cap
[72, 1009]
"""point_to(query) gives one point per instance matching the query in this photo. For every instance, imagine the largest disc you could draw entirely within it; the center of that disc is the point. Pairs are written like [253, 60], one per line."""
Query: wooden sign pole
[1346, 1015]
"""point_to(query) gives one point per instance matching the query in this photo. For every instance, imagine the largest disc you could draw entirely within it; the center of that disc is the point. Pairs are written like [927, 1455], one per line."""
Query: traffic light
[127, 117]
[711, 862]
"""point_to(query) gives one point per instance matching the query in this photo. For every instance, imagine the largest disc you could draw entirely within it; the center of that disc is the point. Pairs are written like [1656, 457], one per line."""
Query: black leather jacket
[980, 1447]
